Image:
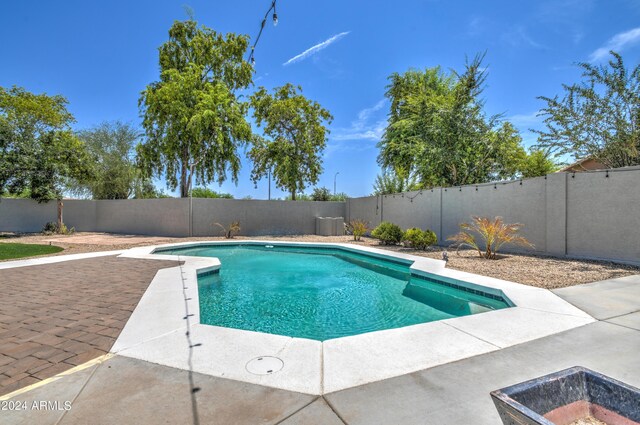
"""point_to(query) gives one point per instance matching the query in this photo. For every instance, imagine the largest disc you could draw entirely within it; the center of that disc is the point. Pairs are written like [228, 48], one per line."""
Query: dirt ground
[534, 270]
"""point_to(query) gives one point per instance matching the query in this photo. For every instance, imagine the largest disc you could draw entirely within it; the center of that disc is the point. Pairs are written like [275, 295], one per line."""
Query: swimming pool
[323, 293]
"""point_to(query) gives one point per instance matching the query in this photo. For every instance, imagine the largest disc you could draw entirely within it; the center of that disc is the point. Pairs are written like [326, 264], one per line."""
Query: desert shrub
[388, 233]
[357, 228]
[231, 231]
[420, 239]
[493, 234]
[51, 228]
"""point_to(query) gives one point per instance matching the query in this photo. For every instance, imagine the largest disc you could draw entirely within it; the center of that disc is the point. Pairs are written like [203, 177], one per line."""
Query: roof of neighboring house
[584, 164]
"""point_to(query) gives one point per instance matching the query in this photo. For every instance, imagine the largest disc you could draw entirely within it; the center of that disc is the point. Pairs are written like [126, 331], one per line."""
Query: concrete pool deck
[125, 390]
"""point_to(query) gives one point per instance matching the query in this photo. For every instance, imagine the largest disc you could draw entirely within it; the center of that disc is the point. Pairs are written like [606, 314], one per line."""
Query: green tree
[439, 133]
[537, 163]
[598, 117]
[321, 194]
[192, 117]
[338, 197]
[298, 135]
[39, 152]
[116, 175]
[389, 182]
[324, 194]
[145, 189]
[205, 192]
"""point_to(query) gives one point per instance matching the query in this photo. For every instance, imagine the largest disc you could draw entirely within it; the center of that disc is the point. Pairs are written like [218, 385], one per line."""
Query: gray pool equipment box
[329, 226]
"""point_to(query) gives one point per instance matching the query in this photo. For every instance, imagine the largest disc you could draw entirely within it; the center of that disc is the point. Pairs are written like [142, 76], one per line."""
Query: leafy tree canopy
[324, 194]
[537, 163]
[39, 152]
[439, 133]
[296, 128]
[598, 117]
[192, 117]
[205, 192]
[115, 173]
[389, 182]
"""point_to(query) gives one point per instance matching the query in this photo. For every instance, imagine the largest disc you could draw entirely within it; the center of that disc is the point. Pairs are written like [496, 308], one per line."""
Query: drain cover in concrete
[265, 365]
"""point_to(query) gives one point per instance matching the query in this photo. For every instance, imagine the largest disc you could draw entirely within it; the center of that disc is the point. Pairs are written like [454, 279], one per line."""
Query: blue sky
[100, 55]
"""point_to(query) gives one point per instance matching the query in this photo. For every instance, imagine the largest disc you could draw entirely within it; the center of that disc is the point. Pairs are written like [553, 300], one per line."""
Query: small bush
[231, 231]
[388, 233]
[52, 228]
[493, 234]
[357, 228]
[420, 239]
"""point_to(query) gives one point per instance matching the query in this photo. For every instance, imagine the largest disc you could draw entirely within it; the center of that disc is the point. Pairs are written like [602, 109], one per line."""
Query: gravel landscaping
[534, 270]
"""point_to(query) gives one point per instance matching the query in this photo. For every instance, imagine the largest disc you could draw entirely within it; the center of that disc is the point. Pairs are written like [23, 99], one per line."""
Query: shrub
[493, 234]
[229, 233]
[420, 239]
[52, 228]
[357, 228]
[388, 233]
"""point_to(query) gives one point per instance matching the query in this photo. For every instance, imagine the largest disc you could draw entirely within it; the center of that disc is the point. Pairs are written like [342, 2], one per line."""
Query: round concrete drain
[264, 365]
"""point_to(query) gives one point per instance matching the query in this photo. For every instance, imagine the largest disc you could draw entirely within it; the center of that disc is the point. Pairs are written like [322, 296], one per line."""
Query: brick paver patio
[56, 316]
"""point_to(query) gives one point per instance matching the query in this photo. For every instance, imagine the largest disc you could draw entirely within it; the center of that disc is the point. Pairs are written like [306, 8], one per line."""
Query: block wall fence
[583, 215]
[170, 216]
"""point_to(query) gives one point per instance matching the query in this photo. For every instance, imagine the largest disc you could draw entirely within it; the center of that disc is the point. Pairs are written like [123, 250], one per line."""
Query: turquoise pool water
[322, 293]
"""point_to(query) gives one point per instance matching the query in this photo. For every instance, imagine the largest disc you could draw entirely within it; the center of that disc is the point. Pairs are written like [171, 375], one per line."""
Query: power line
[262, 25]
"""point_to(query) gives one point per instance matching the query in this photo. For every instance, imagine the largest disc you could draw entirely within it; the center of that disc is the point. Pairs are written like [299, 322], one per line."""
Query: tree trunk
[184, 186]
[293, 195]
[60, 207]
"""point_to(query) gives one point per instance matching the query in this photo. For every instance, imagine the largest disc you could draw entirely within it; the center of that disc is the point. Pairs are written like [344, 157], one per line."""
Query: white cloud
[525, 120]
[364, 115]
[518, 36]
[315, 49]
[617, 43]
[362, 128]
[476, 26]
[373, 132]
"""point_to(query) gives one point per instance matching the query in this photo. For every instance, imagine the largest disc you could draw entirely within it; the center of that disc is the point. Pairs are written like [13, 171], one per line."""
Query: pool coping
[165, 329]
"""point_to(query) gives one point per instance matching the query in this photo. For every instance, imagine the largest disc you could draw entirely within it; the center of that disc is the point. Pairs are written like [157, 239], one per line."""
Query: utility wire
[252, 59]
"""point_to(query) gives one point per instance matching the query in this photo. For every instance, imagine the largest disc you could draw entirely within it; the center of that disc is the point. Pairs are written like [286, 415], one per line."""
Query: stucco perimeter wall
[585, 215]
[259, 217]
[367, 209]
[25, 215]
[514, 202]
[603, 215]
[170, 217]
[159, 217]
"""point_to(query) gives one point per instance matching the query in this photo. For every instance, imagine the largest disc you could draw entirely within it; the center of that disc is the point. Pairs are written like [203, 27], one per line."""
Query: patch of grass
[21, 250]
